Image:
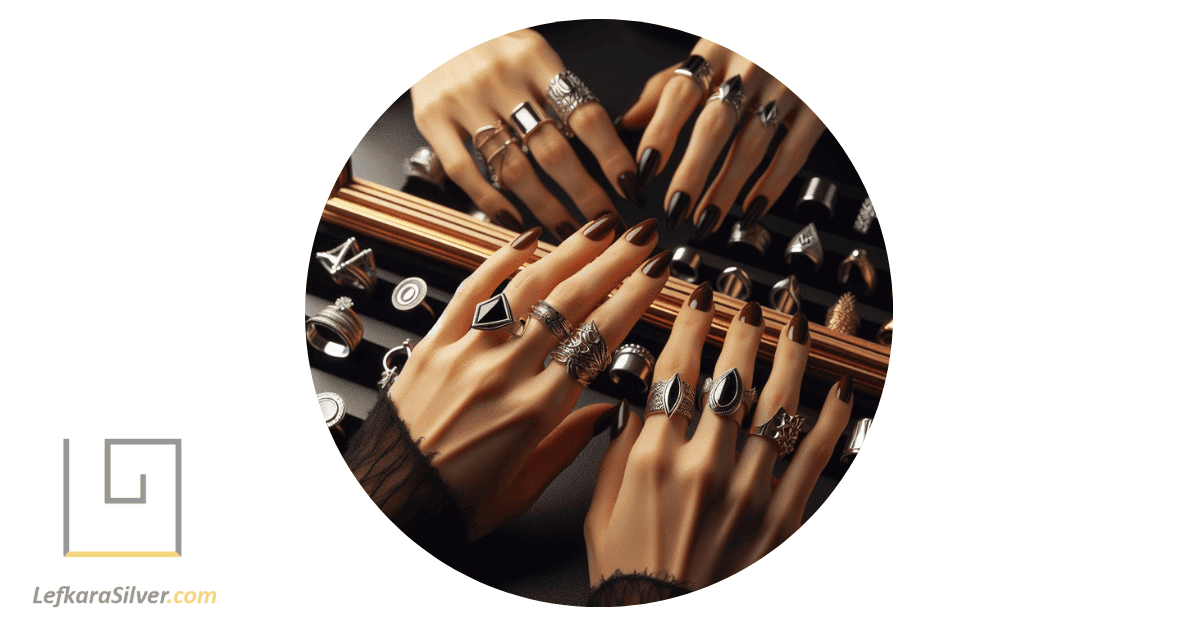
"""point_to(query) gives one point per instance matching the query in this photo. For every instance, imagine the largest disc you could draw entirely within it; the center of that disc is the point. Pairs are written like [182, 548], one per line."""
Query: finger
[555, 155]
[802, 135]
[560, 447]
[716, 434]
[791, 495]
[623, 433]
[515, 172]
[479, 286]
[717, 120]
[681, 356]
[679, 99]
[638, 114]
[591, 125]
[744, 156]
[576, 297]
[447, 144]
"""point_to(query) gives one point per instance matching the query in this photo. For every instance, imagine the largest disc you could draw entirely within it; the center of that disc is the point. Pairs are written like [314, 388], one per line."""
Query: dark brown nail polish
[620, 418]
[507, 220]
[601, 227]
[657, 266]
[678, 209]
[845, 388]
[797, 329]
[754, 211]
[527, 239]
[647, 166]
[564, 230]
[630, 190]
[751, 314]
[641, 233]
[707, 223]
[701, 298]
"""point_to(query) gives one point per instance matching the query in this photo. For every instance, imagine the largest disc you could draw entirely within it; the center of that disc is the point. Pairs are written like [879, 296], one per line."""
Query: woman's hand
[696, 511]
[666, 104]
[485, 84]
[497, 420]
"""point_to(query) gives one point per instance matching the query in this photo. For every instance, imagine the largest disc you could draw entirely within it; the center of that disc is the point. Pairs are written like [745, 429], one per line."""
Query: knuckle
[552, 150]
[648, 466]
[696, 475]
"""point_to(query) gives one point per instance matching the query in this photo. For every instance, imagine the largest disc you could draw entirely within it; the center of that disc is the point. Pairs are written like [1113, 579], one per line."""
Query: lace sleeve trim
[622, 589]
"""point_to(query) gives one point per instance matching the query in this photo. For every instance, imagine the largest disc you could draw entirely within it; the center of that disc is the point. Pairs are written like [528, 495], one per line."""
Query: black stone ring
[726, 394]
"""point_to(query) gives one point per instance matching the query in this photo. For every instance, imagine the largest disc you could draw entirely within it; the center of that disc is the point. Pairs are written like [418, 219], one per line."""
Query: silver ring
[526, 120]
[697, 68]
[685, 264]
[496, 313]
[865, 217]
[785, 295]
[585, 354]
[821, 192]
[726, 394]
[858, 258]
[857, 438]
[672, 396]
[425, 165]
[335, 330]
[768, 116]
[567, 92]
[390, 368]
[730, 93]
[484, 140]
[552, 319]
[350, 265]
[783, 429]
[632, 361]
[478, 214]
[734, 282]
[754, 236]
[807, 243]
[410, 294]
[333, 408]
[884, 337]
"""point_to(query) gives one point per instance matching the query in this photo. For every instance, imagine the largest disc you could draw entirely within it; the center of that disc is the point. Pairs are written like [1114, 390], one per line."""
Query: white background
[100, 527]
[1031, 163]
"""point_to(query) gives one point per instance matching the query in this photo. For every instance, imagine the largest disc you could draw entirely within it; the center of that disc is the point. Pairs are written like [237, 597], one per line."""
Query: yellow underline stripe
[122, 555]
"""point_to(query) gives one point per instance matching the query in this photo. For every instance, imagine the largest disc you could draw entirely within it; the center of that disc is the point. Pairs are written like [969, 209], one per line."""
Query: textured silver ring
[807, 243]
[865, 217]
[697, 68]
[584, 354]
[335, 330]
[350, 265]
[671, 397]
[424, 164]
[526, 120]
[632, 362]
[858, 258]
[733, 282]
[785, 295]
[730, 93]
[726, 394]
[685, 264]
[821, 192]
[755, 236]
[783, 429]
[552, 319]
[496, 313]
[567, 92]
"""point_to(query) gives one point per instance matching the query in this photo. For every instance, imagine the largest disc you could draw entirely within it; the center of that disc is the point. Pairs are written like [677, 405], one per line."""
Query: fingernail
[629, 189]
[647, 165]
[657, 266]
[507, 220]
[619, 419]
[707, 223]
[701, 298]
[527, 239]
[601, 227]
[797, 329]
[564, 230]
[845, 387]
[751, 314]
[641, 233]
[754, 211]
[679, 208]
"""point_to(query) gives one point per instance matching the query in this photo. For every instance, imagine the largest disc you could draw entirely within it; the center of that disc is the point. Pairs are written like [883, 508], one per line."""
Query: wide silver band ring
[552, 319]
[785, 295]
[730, 93]
[857, 437]
[496, 313]
[858, 259]
[697, 68]
[584, 354]
[632, 363]
[525, 119]
[806, 242]
[567, 92]
[335, 330]
[671, 397]
[783, 429]
[350, 265]
[821, 192]
[726, 394]
[733, 282]
[865, 217]
[756, 237]
[685, 264]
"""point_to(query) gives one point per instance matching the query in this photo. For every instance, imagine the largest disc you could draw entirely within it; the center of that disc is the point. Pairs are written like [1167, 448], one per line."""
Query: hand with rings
[498, 95]
[496, 418]
[694, 511]
[732, 90]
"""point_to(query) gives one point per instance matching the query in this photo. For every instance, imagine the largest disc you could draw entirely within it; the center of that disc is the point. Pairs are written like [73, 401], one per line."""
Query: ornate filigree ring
[584, 354]
[567, 92]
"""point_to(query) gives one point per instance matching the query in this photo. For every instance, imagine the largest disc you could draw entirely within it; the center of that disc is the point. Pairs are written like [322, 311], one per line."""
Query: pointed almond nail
[678, 209]
[609, 418]
[620, 418]
[797, 329]
[647, 166]
[751, 314]
[641, 233]
[657, 266]
[527, 239]
[601, 227]
[564, 230]
[627, 181]
[845, 388]
[707, 222]
[754, 211]
[701, 298]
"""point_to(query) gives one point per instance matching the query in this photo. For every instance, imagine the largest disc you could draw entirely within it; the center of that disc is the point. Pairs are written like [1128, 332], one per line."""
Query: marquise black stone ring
[671, 397]
[726, 394]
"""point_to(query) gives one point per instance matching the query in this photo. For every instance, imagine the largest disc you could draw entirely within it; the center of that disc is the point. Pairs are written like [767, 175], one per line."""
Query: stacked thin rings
[671, 397]
[335, 330]
[485, 141]
[567, 92]
[584, 354]
[783, 429]
[552, 319]
[697, 68]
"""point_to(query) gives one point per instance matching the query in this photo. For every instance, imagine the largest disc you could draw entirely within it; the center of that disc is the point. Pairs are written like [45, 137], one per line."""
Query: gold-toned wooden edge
[430, 229]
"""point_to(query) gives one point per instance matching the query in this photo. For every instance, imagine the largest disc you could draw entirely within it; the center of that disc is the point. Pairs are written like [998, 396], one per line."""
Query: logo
[144, 526]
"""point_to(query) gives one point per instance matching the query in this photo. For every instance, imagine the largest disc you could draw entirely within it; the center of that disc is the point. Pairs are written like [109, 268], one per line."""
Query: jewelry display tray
[417, 229]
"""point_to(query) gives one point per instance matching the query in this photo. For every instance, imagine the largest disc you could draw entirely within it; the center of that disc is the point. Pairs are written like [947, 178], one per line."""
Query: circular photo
[599, 313]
